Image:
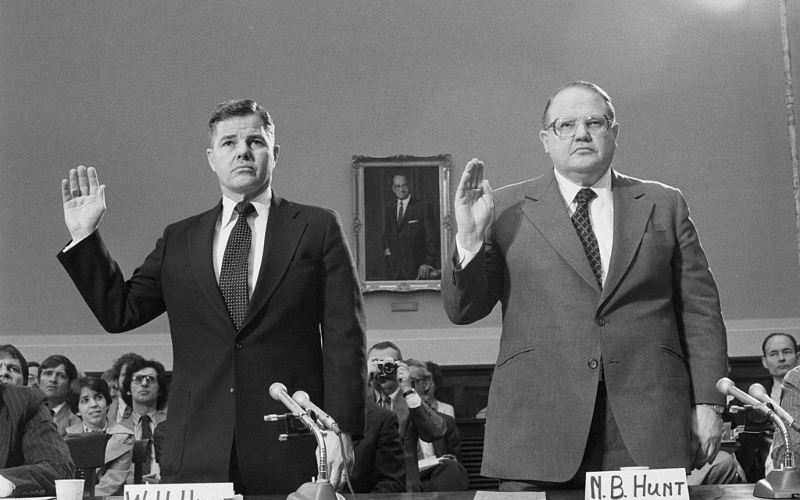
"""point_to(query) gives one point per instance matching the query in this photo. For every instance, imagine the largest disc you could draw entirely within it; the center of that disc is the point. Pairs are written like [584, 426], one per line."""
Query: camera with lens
[386, 368]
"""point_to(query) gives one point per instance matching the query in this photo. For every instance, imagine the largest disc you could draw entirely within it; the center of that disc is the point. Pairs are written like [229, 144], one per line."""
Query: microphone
[278, 393]
[727, 387]
[758, 392]
[301, 398]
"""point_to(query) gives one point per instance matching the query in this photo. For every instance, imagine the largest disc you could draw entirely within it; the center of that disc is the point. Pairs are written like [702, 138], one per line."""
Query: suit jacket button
[237, 346]
[593, 364]
[233, 390]
[600, 322]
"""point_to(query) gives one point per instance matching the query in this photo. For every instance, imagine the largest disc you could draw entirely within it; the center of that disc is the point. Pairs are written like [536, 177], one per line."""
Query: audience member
[119, 410]
[32, 454]
[33, 373]
[13, 367]
[446, 473]
[90, 397]
[437, 380]
[108, 376]
[56, 374]
[391, 387]
[779, 355]
[145, 390]
[379, 465]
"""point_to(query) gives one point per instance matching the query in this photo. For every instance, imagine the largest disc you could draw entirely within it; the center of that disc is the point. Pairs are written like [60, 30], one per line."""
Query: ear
[275, 151]
[615, 131]
[210, 157]
[545, 138]
[764, 362]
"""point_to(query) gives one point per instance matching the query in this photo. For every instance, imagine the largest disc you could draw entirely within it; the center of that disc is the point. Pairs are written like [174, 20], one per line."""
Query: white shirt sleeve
[464, 256]
[6, 487]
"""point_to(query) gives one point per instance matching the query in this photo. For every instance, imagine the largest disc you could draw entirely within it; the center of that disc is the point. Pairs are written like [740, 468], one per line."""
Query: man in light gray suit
[613, 338]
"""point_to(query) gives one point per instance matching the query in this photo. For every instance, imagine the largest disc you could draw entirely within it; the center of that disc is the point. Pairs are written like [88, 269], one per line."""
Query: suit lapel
[632, 210]
[284, 231]
[546, 209]
[201, 259]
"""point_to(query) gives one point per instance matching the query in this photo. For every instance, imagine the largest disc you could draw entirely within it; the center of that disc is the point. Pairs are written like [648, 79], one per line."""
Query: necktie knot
[584, 196]
[244, 208]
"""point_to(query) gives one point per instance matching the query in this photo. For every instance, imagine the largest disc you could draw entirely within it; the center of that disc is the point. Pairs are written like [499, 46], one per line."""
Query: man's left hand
[339, 459]
[706, 435]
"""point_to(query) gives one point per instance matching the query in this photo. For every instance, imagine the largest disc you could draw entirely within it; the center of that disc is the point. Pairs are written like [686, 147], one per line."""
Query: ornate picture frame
[402, 250]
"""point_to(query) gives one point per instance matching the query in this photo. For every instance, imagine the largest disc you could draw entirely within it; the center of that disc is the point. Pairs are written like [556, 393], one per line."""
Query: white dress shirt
[258, 226]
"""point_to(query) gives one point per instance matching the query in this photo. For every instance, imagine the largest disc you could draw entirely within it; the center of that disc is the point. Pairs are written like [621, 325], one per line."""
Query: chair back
[141, 450]
[88, 451]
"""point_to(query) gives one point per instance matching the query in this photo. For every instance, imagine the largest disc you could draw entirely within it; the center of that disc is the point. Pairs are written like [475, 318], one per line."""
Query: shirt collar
[260, 203]
[569, 189]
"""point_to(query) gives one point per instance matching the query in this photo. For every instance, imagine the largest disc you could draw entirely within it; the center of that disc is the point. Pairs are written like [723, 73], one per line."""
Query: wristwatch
[409, 392]
[718, 409]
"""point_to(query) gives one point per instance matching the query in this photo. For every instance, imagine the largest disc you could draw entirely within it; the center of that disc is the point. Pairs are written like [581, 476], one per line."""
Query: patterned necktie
[583, 225]
[400, 214]
[233, 276]
[147, 433]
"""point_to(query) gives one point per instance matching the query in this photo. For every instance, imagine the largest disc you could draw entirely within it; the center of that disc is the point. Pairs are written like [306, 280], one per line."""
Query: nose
[581, 132]
[243, 151]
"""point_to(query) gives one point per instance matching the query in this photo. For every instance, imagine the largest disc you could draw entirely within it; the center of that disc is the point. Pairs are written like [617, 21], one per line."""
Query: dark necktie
[400, 214]
[233, 276]
[386, 402]
[147, 433]
[583, 225]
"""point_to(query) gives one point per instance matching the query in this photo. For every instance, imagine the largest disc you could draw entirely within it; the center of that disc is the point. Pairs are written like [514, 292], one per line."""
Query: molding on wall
[447, 346]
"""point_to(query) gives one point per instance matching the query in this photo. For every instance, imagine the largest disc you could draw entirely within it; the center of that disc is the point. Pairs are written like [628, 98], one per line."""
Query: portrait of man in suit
[258, 289]
[410, 235]
[608, 303]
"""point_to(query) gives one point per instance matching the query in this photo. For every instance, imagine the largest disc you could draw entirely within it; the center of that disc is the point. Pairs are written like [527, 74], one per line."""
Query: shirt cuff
[75, 242]
[6, 487]
[413, 400]
[464, 256]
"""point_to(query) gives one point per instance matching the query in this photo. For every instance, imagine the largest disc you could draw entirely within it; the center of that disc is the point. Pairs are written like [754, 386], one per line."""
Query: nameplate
[637, 483]
[179, 491]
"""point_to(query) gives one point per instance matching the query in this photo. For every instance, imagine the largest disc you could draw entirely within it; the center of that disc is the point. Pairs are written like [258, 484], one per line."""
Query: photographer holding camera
[393, 388]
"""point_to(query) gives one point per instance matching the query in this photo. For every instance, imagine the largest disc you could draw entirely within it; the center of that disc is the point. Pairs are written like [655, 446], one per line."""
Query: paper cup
[69, 489]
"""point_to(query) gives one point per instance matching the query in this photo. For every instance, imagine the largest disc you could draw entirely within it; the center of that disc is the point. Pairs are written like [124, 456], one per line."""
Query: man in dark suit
[409, 235]
[609, 307]
[380, 463]
[258, 290]
[32, 453]
[395, 391]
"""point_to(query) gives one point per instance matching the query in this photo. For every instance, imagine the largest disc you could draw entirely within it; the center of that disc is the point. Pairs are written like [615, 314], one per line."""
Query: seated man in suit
[145, 391]
[447, 473]
[13, 367]
[55, 378]
[32, 454]
[379, 465]
[392, 388]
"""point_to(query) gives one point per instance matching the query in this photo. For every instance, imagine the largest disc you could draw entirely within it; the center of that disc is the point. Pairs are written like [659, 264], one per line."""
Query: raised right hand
[473, 206]
[84, 201]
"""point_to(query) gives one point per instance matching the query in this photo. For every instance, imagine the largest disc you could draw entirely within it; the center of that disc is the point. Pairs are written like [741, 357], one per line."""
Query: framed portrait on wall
[402, 222]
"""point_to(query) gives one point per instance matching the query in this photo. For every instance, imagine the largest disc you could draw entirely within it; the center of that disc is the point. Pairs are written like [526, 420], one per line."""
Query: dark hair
[161, 375]
[234, 108]
[14, 353]
[123, 360]
[59, 359]
[579, 84]
[94, 383]
[387, 345]
[776, 334]
[436, 373]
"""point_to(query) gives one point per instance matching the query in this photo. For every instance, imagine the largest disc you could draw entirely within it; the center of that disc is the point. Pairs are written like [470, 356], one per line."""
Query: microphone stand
[784, 482]
[321, 488]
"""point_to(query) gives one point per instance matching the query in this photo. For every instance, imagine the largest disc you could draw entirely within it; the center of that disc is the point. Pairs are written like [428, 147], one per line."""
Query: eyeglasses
[566, 127]
[139, 379]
